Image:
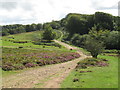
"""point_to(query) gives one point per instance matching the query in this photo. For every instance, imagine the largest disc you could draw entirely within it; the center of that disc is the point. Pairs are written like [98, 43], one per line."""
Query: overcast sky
[40, 11]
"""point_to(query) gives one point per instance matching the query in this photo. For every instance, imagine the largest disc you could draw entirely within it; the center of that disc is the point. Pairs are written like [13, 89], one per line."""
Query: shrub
[30, 65]
[92, 62]
[112, 41]
[20, 47]
[79, 40]
[111, 51]
[18, 67]
[75, 80]
[101, 64]
[18, 41]
[47, 43]
[7, 67]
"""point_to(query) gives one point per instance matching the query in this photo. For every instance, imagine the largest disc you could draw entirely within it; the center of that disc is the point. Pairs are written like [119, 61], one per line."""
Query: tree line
[19, 28]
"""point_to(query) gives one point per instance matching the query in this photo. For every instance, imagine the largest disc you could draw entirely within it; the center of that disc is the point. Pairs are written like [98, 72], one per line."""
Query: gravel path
[49, 76]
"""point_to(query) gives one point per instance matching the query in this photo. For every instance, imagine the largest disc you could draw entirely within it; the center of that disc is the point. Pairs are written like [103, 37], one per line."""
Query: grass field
[100, 77]
[29, 37]
[12, 41]
[24, 36]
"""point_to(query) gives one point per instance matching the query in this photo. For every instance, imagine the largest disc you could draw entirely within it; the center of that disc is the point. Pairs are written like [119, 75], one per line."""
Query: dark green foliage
[39, 26]
[49, 34]
[47, 43]
[55, 25]
[98, 34]
[112, 41]
[81, 23]
[103, 20]
[75, 80]
[75, 24]
[28, 28]
[18, 41]
[111, 51]
[78, 40]
[19, 28]
[94, 46]
[5, 32]
[20, 47]
[116, 23]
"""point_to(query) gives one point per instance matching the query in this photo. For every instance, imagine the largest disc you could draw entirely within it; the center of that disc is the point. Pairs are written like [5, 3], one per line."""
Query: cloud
[105, 5]
[119, 8]
[15, 5]
[40, 11]
[8, 5]
[26, 6]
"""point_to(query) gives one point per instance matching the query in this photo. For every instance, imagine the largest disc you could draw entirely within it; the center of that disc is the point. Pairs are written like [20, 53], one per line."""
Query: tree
[116, 23]
[49, 34]
[94, 46]
[98, 34]
[39, 26]
[20, 29]
[76, 24]
[55, 25]
[4, 32]
[103, 20]
[110, 39]
[33, 27]
[28, 28]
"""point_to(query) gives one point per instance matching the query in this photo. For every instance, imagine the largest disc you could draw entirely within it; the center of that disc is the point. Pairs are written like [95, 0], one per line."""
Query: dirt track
[49, 76]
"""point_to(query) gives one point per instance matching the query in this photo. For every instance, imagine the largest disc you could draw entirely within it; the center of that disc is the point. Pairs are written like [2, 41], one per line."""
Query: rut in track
[49, 76]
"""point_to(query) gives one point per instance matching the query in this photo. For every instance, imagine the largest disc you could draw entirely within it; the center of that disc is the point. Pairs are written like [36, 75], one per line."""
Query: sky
[41, 11]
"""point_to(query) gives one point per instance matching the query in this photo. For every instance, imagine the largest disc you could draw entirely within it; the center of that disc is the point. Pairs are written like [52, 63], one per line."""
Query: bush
[47, 43]
[18, 41]
[112, 41]
[18, 67]
[79, 40]
[20, 47]
[111, 51]
[7, 67]
[30, 65]
[92, 62]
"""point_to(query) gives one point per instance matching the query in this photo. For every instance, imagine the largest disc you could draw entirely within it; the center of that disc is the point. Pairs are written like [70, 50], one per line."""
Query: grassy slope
[25, 36]
[28, 36]
[101, 77]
